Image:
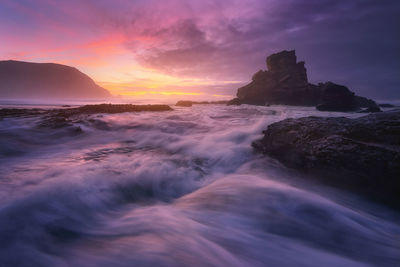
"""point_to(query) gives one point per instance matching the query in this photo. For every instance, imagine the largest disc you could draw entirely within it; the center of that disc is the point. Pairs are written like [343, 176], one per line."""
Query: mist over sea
[176, 188]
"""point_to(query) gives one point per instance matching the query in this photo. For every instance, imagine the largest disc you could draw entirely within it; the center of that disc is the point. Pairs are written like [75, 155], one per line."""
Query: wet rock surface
[111, 108]
[58, 118]
[361, 155]
[20, 112]
[286, 83]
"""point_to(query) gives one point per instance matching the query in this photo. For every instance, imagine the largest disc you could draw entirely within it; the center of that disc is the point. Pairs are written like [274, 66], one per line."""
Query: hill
[20, 79]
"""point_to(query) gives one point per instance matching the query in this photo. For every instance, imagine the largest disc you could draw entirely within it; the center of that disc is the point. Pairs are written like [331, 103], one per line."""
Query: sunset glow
[190, 133]
[206, 48]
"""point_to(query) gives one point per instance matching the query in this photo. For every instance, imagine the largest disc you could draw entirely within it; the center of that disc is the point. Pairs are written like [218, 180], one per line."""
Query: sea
[176, 188]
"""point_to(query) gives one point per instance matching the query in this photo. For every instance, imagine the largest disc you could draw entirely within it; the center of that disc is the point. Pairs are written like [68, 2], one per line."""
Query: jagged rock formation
[361, 155]
[285, 82]
[46, 80]
[337, 97]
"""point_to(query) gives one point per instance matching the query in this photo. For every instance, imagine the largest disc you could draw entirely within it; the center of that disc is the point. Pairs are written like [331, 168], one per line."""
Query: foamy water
[179, 188]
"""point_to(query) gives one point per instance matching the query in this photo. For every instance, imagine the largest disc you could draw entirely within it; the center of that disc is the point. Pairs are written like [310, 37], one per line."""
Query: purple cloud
[350, 42]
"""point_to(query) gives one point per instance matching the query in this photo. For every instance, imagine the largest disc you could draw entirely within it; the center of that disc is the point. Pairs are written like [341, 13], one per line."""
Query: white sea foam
[179, 188]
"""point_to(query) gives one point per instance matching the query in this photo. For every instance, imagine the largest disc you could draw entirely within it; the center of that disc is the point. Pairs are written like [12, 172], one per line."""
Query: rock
[187, 103]
[20, 112]
[282, 61]
[46, 80]
[58, 118]
[109, 108]
[370, 105]
[236, 101]
[361, 155]
[183, 103]
[219, 102]
[364, 102]
[286, 83]
[337, 98]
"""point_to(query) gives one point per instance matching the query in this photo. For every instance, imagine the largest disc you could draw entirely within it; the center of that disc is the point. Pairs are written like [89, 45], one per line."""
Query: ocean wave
[179, 188]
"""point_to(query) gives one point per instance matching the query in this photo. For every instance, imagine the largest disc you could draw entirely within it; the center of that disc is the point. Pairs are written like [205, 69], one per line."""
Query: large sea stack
[286, 83]
[46, 80]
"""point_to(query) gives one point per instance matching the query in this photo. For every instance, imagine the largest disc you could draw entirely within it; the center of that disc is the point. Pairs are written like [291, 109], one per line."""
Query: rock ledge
[362, 155]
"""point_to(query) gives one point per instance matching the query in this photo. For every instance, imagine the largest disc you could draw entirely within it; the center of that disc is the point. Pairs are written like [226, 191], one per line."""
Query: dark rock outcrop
[189, 103]
[57, 118]
[112, 108]
[46, 80]
[285, 82]
[21, 112]
[184, 103]
[236, 101]
[364, 102]
[337, 97]
[361, 155]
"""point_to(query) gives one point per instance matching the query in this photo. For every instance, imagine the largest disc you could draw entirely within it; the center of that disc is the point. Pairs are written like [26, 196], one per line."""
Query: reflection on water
[175, 188]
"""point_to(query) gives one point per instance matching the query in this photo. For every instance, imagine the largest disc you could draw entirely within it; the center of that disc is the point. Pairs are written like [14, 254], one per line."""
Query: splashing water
[179, 188]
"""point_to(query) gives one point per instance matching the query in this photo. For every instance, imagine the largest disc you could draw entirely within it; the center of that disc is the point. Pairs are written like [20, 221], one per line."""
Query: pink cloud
[209, 39]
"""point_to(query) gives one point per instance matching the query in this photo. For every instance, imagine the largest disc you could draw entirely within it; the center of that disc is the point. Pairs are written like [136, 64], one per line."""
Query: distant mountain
[20, 79]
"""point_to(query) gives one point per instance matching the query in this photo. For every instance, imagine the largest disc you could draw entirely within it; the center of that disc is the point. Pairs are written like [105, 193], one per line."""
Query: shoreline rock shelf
[286, 83]
[360, 155]
[57, 118]
[189, 103]
[86, 109]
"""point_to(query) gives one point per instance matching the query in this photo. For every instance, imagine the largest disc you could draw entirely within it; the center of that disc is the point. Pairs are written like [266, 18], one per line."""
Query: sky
[207, 48]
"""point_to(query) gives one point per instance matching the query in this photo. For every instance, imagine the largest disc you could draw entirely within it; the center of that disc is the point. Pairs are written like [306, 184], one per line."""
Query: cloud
[351, 42]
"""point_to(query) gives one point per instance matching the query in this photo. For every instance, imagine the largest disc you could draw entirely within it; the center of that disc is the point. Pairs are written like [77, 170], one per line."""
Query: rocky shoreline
[361, 155]
[189, 103]
[56, 118]
[86, 109]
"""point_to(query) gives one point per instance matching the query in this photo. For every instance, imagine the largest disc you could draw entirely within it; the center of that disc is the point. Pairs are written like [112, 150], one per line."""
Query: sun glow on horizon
[162, 85]
[128, 61]
[167, 93]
